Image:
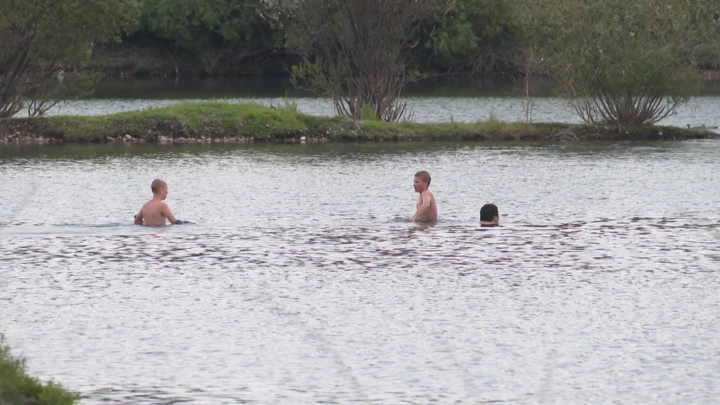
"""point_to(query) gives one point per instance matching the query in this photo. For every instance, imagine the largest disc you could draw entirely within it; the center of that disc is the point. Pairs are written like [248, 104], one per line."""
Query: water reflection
[301, 282]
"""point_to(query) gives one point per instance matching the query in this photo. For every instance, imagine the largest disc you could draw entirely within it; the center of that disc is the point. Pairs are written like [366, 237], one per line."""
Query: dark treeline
[619, 62]
[252, 37]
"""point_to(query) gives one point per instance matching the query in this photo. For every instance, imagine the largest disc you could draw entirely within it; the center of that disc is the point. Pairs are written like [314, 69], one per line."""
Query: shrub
[18, 388]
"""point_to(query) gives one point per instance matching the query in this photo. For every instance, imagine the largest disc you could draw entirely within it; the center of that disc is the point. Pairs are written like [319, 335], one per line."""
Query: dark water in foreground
[301, 283]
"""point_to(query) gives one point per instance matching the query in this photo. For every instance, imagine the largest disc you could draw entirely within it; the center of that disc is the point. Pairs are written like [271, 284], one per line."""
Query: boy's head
[159, 187]
[421, 181]
[489, 213]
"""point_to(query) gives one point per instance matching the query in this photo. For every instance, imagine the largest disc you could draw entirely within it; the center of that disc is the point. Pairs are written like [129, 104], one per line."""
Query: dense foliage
[466, 36]
[213, 37]
[43, 38]
[620, 62]
[18, 388]
[214, 33]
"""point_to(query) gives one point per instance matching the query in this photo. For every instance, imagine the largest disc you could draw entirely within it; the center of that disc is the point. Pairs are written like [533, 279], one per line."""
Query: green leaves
[18, 388]
[43, 37]
[618, 60]
[354, 52]
[209, 29]
[463, 33]
[199, 21]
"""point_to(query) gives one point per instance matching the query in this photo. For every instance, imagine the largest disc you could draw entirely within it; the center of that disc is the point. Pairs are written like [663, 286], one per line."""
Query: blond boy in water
[156, 211]
[426, 210]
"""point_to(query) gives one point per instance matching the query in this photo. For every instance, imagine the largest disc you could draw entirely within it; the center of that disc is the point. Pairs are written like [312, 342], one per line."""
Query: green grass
[259, 119]
[213, 120]
[480, 130]
[18, 388]
[199, 119]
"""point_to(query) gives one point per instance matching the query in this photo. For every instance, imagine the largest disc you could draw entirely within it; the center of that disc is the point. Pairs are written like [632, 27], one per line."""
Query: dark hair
[488, 212]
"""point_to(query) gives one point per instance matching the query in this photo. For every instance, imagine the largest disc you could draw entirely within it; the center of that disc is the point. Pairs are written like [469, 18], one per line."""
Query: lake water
[302, 282]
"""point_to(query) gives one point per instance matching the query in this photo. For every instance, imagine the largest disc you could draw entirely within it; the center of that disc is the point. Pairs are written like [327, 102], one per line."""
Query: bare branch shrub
[602, 107]
[39, 38]
[620, 62]
[353, 52]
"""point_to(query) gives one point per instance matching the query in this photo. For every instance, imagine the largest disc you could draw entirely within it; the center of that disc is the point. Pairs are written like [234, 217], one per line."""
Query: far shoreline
[249, 123]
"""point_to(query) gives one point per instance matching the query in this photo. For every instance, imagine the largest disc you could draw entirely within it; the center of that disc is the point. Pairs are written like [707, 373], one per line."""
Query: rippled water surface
[300, 280]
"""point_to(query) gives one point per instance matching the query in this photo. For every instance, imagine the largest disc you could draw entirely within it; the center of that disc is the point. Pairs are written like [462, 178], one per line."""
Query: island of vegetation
[225, 122]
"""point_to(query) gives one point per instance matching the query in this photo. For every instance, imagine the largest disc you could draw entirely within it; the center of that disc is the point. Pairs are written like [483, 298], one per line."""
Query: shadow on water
[345, 150]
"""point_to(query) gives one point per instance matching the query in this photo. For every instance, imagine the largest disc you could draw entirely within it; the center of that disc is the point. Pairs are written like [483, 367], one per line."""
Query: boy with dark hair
[489, 215]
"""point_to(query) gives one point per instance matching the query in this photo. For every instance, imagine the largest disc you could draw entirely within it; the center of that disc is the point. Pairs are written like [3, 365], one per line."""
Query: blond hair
[424, 176]
[158, 185]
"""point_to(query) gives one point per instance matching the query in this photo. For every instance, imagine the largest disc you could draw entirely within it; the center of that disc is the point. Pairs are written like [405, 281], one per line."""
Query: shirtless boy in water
[426, 208]
[155, 211]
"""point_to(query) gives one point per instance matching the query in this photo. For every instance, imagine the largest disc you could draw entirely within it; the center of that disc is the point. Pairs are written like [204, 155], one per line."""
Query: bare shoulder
[167, 211]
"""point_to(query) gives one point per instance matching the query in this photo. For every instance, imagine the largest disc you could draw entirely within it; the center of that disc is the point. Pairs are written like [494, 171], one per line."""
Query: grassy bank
[221, 122]
[18, 388]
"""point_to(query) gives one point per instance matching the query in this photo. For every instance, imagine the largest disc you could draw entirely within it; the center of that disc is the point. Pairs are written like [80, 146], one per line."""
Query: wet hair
[158, 185]
[488, 212]
[424, 176]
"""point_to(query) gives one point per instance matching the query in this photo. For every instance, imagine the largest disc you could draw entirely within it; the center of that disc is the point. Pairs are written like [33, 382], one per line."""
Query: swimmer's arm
[168, 214]
[422, 207]
[139, 218]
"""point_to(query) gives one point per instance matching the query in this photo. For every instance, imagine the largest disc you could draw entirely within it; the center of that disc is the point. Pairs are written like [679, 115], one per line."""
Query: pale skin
[155, 212]
[494, 222]
[426, 210]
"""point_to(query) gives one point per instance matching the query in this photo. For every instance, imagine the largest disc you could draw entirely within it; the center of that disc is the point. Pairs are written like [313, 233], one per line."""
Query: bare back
[426, 207]
[154, 213]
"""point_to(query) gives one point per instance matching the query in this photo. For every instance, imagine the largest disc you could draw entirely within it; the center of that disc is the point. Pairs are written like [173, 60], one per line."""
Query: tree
[355, 51]
[213, 31]
[469, 37]
[43, 39]
[621, 62]
[534, 40]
